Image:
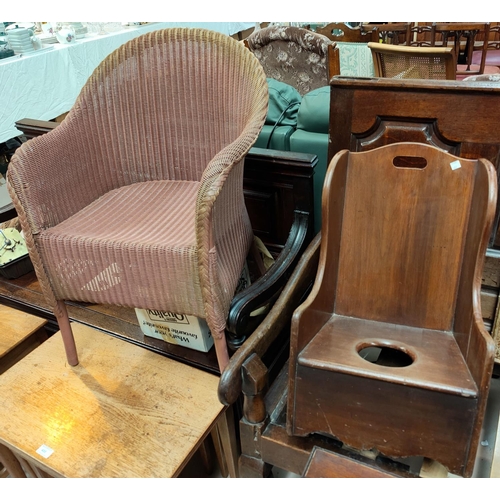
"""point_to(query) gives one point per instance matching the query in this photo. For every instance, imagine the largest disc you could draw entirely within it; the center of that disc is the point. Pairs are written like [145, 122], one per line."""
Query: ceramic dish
[48, 39]
[25, 25]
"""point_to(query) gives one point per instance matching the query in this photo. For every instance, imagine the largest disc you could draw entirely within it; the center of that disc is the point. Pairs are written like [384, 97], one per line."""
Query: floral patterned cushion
[295, 56]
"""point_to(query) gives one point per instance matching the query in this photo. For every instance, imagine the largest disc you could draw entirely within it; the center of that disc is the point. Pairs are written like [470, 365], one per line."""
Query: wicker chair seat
[142, 234]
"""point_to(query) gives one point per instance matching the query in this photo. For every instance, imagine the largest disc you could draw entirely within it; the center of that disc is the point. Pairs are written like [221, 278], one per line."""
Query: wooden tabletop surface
[15, 326]
[122, 412]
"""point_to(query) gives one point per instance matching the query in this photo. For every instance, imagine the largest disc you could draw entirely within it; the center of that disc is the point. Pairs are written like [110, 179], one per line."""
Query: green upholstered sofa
[281, 120]
[299, 124]
[311, 136]
[298, 57]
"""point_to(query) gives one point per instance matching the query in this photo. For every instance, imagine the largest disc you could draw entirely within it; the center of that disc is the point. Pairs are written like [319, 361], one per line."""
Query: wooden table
[20, 333]
[122, 412]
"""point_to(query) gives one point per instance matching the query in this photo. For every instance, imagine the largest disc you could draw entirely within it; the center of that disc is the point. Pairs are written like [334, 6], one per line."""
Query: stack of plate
[19, 40]
[47, 38]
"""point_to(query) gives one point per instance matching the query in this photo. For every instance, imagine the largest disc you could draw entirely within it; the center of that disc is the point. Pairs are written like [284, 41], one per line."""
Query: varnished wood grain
[396, 420]
[16, 326]
[404, 234]
[324, 463]
[122, 412]
[408, 221]
[334, 348]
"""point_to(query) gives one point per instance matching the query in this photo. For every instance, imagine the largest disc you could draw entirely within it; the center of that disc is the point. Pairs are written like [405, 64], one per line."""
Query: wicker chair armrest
[61, 155]
[221, 186]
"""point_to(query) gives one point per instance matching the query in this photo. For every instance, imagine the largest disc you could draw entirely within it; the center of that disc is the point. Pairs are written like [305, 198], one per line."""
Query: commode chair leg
[67, 334]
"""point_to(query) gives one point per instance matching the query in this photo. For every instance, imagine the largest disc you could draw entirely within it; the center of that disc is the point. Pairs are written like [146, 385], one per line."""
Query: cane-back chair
[401, 61]
[136, 199]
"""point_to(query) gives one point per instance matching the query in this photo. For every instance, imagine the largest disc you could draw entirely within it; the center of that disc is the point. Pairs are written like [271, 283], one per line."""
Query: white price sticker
[45, 451]
[454, 165]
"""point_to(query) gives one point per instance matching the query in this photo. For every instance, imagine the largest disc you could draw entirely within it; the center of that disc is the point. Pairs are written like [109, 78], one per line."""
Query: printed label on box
[182, 329]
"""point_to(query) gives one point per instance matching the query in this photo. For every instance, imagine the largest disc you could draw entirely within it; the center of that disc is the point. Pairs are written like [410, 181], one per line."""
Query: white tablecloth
[44, 85]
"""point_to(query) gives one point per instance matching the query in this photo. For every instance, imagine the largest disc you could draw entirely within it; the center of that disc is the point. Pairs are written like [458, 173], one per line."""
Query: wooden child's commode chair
[389, 351]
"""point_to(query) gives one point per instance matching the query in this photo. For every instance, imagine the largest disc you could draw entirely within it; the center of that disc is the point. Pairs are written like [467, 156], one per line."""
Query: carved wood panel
[387, 131]
[456, 116]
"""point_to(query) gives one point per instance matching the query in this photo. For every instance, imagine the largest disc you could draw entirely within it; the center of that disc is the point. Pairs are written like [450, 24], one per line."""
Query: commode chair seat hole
[384, 355]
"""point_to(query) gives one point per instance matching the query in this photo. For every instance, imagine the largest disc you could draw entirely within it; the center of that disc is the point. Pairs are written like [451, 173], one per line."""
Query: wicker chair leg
[67, 334]
[221, 350]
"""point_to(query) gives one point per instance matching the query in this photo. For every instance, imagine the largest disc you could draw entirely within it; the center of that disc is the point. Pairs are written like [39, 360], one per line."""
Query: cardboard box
[182, 329]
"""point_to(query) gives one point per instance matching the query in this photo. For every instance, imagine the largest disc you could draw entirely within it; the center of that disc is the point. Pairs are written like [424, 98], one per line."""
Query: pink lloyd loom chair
[136, 199]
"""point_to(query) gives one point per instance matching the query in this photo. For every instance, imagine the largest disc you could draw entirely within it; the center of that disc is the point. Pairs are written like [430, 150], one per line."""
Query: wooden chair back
[398, 61]
[340, 32]
[462, 36]
[416, 277]
[391, 33]
[420, 34]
